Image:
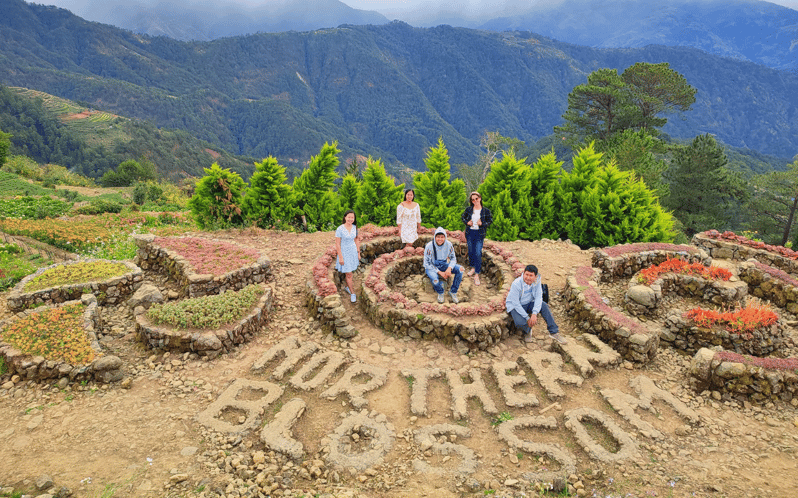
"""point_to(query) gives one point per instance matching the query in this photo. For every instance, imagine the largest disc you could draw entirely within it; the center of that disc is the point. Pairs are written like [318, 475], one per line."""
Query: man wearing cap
[440, 262]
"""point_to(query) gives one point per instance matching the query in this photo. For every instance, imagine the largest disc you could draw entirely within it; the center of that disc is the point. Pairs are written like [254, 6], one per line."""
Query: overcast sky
[390, 8]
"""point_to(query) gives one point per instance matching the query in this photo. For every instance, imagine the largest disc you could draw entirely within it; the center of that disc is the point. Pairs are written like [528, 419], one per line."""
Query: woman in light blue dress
[347, 244]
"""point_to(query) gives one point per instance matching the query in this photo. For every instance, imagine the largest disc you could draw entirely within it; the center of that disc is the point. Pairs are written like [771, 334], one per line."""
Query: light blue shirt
[522, 294]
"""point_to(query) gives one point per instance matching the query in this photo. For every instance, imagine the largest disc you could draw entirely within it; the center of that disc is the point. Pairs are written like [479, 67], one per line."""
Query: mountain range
[388, 91]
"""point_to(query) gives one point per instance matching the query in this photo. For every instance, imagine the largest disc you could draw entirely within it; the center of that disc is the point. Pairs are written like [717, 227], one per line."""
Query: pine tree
[269, 200]
[217, 198]
[506, 192]
[573, 187]
[314, 188]
[347, 194]
[440, 201]
[544, 184]
[377, 196]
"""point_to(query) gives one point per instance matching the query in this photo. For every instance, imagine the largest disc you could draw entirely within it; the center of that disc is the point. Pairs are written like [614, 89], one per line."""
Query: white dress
[409, 219]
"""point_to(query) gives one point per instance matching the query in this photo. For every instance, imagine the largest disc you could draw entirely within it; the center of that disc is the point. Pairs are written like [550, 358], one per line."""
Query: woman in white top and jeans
[477, 219]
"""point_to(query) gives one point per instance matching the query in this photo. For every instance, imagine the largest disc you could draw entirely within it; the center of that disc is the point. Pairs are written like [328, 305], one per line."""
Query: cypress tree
[506, 192]
[544, 184]
[347, 193]
[314, 188]
[269, 200]
[377, 196]
[217, 198]
[440, 201]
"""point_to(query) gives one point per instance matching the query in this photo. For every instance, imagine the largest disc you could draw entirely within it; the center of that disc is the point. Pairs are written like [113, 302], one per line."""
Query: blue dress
[348, 250]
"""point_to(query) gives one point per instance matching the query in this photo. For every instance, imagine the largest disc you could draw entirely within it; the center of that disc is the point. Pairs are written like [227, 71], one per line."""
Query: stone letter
[461, 392]
[548, 375]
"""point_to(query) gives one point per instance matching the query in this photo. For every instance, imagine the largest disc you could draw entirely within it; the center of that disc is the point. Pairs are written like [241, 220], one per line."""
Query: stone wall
[643, 299]
[720, 248]
[209, 343]
[769, 283]
[614, 267]
[681, 333]
[745, 378]
[630, 338]
[151, 257]
[111, 291]
[103, 369]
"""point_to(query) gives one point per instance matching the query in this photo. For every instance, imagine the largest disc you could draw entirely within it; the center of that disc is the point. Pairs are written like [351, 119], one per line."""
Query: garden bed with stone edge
[111, 290]
[103, 368]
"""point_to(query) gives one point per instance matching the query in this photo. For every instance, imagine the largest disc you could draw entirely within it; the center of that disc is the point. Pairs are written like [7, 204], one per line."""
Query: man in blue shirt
[525, 302]
[440, 262]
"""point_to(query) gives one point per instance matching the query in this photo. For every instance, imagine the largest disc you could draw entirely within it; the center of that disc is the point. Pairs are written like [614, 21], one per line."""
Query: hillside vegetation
[386, 91]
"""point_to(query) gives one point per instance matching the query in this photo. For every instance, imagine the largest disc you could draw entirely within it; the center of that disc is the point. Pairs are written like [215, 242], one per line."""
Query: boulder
[146, 296]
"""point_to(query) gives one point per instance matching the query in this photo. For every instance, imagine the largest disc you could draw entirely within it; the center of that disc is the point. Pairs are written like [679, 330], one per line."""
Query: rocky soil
[142, 438]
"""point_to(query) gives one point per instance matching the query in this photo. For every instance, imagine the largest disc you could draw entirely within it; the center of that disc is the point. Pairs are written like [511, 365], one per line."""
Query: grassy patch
[76, 273]
[207, 312]
[16, 265]
[56, 334]
[33, 208]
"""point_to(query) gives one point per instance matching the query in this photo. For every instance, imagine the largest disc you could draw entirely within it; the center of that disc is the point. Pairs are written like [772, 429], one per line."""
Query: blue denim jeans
[545, 313]
[441, 265]
[474, 242]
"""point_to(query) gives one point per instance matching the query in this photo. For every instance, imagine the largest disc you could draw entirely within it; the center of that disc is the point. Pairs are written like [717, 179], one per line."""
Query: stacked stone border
[36, 368]
[681, 333]
[111, 291]
[642, 299]
[728, 245]
[210, 343]
[397, 314]
[152, 257]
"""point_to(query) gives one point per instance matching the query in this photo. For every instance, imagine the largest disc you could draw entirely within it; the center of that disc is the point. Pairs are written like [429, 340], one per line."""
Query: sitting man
[440, 263]
[525, 301]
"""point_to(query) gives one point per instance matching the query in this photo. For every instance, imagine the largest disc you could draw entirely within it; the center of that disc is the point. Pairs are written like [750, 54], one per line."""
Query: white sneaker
[441, 299]
[353, 298]
[559, 338]
[347, 290]
[454, 298]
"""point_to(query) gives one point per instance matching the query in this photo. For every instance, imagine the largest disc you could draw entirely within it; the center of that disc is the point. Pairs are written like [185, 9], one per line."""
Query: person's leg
[457, 271]
[350, 284]
[477, 261]
[470, 243]
[520, 322]
[435, 279]
[551, 325]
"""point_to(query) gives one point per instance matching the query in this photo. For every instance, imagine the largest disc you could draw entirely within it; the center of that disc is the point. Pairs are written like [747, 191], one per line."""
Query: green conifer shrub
[377, 196]
[217, 198]
[314, 188]
[441, 201]
[269, 200]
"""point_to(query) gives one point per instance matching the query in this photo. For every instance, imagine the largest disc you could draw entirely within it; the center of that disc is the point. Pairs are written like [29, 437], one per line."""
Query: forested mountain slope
[388, 91]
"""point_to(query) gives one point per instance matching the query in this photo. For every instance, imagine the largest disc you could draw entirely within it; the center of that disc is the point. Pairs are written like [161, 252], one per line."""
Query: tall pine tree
[314, 188]
[377, 196]
[441, 202]
[347, 193]
[269, 200]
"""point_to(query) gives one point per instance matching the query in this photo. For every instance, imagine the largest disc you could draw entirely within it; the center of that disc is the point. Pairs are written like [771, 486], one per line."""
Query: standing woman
[477, 219]
[347, 244]
[408, 218]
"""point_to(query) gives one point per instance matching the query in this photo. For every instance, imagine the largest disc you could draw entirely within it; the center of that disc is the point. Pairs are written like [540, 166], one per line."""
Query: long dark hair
[409, 190]
[343, 220]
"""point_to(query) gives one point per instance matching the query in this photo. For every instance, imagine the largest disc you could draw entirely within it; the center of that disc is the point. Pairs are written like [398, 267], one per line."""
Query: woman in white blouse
[408, 218]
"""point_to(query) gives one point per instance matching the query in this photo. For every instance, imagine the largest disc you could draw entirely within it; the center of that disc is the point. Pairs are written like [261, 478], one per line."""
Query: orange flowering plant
[674, 265]
[741, 321]
[56, 334]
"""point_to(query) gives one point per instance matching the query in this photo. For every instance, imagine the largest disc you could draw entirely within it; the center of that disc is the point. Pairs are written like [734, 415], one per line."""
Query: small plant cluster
[57, 334]
[16, 265]
[583, 274]
[756, 244]
[621, 249]
[741, 321]
[76, 273]
[775, 272]
[207, 312]
[788, 364]
[33, 208]
[675, 265]
[209, 256]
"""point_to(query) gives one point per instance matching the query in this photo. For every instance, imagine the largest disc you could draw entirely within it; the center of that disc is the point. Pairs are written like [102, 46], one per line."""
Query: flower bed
[186, 267]
[172, 327]
[673, 265]
[745, 377]
[633, 340]
[109, 289]
[645, 299]
[735, 247]
[625, 260]
[750, 330]
[58, 341]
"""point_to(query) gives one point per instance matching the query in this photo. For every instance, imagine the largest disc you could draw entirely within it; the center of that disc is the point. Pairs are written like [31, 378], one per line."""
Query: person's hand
[447, 273]
[533, 319]
[341, 260]
[479, 223]
[469, 223]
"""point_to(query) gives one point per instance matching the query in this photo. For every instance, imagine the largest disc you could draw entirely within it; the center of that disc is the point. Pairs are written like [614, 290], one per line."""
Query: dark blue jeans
[545, 313]
[474, 242]
[442, 265]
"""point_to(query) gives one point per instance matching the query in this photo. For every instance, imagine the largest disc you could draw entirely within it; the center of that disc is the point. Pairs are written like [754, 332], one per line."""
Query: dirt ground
[141, 437]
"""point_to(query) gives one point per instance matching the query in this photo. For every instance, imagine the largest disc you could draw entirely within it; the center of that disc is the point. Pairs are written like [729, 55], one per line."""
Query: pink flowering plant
[789, 364]
[208, 256]
[774, 272]
[621, 249]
